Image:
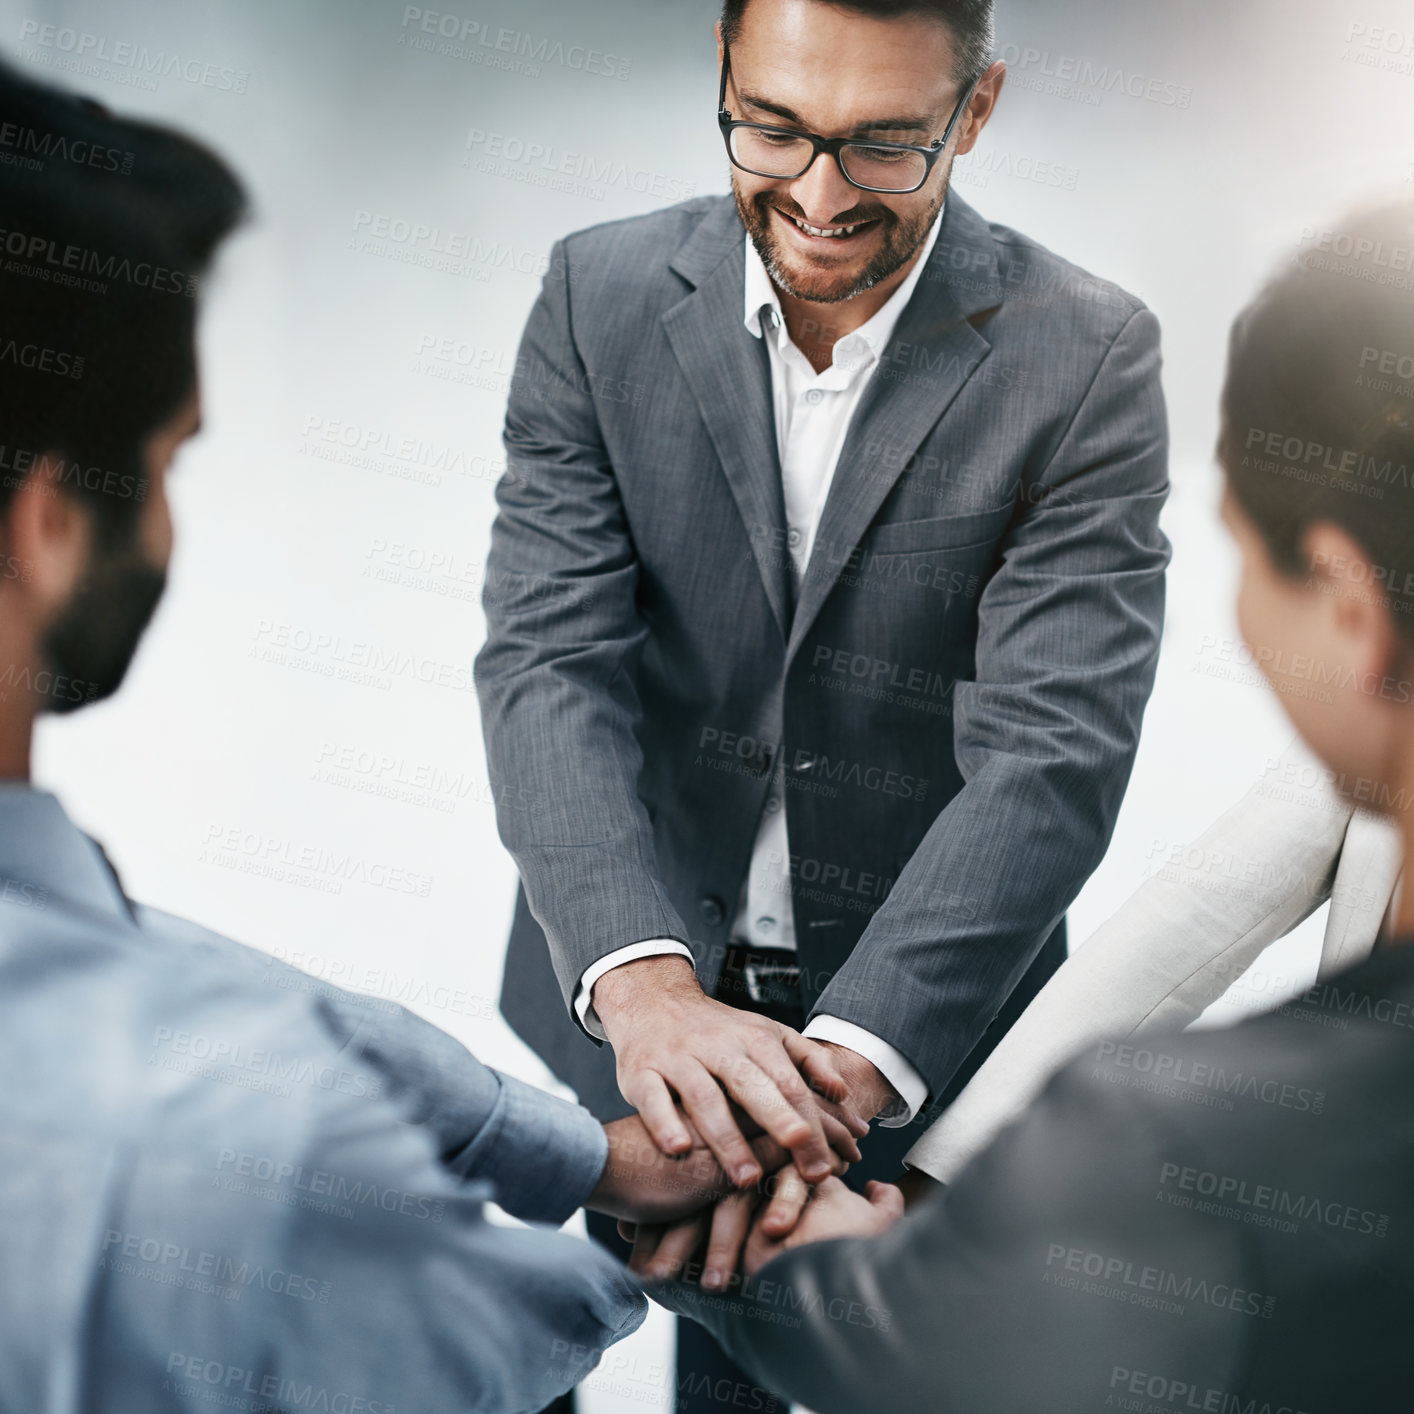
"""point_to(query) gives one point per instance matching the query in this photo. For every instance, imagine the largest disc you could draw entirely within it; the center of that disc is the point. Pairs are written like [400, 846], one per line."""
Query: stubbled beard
[91, 643]
[903, 237]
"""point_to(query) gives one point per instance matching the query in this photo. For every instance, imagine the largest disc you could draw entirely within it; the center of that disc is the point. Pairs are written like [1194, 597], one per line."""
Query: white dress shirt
[813, 413]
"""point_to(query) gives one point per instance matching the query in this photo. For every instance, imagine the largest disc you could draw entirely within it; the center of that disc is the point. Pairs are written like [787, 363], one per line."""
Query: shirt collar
[44, 855]
[874, 333]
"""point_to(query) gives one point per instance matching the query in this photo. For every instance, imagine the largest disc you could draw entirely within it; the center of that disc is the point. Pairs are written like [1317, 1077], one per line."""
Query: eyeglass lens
[773, 154]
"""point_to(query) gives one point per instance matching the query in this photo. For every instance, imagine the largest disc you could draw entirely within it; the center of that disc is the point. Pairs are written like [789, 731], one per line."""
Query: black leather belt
[770, 977]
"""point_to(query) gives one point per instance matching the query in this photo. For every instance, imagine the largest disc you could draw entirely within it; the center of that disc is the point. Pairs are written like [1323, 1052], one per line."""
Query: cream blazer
[1185, 937]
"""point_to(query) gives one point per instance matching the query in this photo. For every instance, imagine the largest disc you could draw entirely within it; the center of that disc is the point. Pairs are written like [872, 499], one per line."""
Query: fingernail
[712, 1280]
[746, 1174]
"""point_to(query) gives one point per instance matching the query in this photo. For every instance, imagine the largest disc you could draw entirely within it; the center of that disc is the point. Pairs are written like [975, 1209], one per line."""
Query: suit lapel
[896, 413]
[730, 376]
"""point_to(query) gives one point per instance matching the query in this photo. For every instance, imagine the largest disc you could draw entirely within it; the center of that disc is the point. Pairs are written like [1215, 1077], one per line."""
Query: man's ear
[1341, 572]
[983, 105]
[47, 534]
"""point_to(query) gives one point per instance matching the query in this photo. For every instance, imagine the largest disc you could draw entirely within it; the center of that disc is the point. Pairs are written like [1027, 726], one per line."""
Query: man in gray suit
[223, 1180]
[824, 600]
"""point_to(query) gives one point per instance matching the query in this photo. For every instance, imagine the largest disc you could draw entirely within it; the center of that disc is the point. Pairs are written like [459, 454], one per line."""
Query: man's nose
[822, 193]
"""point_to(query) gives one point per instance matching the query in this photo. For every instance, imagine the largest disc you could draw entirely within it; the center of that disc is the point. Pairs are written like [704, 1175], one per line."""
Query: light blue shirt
[226, 1185]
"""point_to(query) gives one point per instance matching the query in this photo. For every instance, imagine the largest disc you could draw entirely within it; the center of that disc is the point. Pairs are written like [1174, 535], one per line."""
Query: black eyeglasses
[765, 150]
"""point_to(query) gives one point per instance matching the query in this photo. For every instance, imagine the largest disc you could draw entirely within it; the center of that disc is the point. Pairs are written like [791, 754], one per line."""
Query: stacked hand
[676, 1046]
[751, 1229]
[641, 1184]
[744, 1127]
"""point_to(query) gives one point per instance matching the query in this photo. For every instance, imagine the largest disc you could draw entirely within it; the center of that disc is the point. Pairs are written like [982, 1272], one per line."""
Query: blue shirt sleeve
[542, 1155]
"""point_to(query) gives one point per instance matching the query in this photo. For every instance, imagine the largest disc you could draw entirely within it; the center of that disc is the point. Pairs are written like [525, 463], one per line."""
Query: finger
[769, 1154]
[787, 1203]
[666, 1258]
[762, 1097]
[816, 1064]
[760, 1249]
[776, 1101]
[707, 1108]
[650, 1097]
[855, 1122]
[841, 1141]
[813, 1152]
[627, 1230]
[731, 1220]
[748, 1126]
[646, 1238]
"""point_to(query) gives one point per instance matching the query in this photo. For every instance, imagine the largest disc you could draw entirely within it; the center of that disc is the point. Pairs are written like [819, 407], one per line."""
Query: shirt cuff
[912, 1089]
[584, 993]
[543, 1156]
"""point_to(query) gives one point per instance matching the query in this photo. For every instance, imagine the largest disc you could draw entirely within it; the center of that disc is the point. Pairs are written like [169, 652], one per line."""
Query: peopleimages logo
[1265, 1198]
[1182, 1070]
[1031, 67]
[541, 163]
[355, 1193]
[40, 256]
[80, 51]
[477, 42]
[1144, 1285]
[35, 147]
[229, 1384]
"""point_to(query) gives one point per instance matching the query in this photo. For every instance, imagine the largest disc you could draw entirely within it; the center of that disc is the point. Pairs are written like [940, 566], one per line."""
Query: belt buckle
[767, 984]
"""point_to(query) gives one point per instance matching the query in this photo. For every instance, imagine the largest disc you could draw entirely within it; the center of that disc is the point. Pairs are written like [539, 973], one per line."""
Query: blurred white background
[357, 346]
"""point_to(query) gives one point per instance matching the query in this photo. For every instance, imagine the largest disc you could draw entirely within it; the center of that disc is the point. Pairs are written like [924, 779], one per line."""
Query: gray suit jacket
[220, 1176]
[954, 702]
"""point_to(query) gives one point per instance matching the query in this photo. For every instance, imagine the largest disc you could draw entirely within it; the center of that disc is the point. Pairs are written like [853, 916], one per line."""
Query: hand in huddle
[753, 1227]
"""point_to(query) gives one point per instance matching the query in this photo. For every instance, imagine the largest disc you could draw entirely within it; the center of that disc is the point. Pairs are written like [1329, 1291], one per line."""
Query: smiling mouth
[829, 233]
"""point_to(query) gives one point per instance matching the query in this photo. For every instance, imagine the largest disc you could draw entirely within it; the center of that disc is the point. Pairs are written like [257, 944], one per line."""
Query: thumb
[817, 1065]
[886, 1197]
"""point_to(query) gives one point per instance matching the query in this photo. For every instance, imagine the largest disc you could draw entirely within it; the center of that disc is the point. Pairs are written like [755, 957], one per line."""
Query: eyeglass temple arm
[962, 108]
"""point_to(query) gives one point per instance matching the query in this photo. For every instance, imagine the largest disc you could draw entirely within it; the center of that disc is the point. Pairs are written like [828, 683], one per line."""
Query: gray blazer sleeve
[1174, 948]
[543, 1155]
[1067, 646]
[555, 677]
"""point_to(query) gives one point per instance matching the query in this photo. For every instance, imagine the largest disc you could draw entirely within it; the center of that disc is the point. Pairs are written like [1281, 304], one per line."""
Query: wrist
[624, 989]
[608, 1195]
[869, 1091]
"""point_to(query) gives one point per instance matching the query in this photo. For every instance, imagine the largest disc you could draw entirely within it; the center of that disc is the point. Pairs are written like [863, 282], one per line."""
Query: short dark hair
[971, 23]
[107, 225]
[1317, 417]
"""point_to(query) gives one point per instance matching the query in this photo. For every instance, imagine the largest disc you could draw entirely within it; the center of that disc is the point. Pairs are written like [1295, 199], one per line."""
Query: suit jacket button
[711, 910]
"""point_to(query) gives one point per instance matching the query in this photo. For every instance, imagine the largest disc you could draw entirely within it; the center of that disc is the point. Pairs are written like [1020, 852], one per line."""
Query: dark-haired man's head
[887, 70]
[1317, 444]
[100, 265]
